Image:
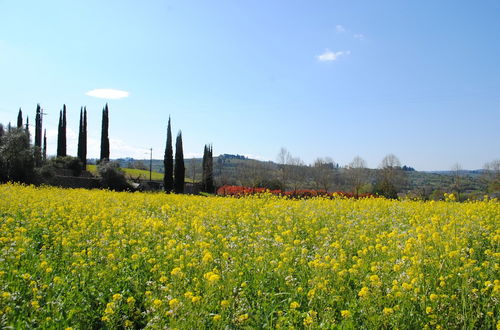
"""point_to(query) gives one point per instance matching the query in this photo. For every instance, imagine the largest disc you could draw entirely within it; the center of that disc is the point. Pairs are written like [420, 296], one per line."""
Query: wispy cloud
[329, 56]
[108, 93]
[340, 29]
[359, 36]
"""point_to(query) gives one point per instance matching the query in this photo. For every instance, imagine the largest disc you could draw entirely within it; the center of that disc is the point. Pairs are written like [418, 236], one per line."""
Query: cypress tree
[208, 172]
[44, 154]
[104, 134]
[59, 136]
[168, 161]
[180, 170]
[38, 127]
[80, 136]
[63, 145]
[20, 119]
[84, 139]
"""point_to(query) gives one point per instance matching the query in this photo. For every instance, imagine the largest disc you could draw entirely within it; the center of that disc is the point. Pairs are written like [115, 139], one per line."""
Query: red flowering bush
[241, 191]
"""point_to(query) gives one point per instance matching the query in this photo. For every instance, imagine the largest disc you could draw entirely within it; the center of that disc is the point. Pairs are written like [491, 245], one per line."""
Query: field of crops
[93, 259]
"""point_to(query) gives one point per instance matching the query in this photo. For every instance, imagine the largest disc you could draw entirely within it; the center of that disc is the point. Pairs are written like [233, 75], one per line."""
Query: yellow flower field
[92, 259]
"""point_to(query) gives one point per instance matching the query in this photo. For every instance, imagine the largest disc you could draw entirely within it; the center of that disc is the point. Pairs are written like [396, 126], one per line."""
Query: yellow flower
[157, 303]
[217, 317]
[433, 297]
[363, 292]
[345, 313]
[224, 303]
[242, 318]
[173, 303]
[388, 311]
[117, 297]
[294, 305]
[131, 300]
[308, 320]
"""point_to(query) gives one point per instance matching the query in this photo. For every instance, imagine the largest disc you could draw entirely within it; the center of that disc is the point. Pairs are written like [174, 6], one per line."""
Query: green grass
[132, 173]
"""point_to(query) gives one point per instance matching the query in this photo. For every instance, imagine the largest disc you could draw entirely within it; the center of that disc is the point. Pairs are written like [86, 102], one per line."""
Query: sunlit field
[83, 259]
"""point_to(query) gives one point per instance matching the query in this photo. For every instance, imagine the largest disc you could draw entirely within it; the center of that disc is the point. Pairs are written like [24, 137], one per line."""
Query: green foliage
[180, 170]
[104, 134]
[67, 163]
[112, 176]
[168, 162]
[17, 162]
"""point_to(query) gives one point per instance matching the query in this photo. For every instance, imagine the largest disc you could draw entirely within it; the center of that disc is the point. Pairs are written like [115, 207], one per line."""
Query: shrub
[112, 176]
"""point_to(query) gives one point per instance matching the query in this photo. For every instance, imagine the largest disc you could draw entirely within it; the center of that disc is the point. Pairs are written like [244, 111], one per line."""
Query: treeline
[390, 179]
[22, 161]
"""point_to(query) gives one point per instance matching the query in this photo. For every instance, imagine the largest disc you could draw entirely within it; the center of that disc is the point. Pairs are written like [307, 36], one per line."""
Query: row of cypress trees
[174, 176]
[61, 133]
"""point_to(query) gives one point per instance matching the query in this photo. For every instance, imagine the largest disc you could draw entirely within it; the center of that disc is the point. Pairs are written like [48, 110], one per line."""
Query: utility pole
[150, 162]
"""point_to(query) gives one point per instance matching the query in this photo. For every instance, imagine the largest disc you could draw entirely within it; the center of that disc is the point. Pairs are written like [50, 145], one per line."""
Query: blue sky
[419, 79]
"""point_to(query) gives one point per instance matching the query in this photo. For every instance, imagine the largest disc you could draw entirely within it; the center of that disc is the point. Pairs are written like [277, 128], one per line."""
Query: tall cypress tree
[44, 153]
[180, 170]
[63, 145]
[59, 136]
[38, 127]
[80, 137]
[84, 139]
[20, 119]
[208, 172]
[168, 161]
[104, 134]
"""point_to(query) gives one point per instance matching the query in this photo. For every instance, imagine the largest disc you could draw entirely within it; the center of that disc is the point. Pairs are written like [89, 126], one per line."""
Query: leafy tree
[207, 180]
[16, 157]
[104, 134]
[20, 119]
[180, 170]
[168, 162]
[112, 176]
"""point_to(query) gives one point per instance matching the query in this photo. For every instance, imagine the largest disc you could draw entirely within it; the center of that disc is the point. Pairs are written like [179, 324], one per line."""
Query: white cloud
[339, 28]
[359, 36]
[107, 93]
[329, 56]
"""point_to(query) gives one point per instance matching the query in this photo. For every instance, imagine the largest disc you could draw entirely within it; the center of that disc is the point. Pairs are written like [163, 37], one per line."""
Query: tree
[61, 139]
[180, 170]
[323, 173]
[16, 157]
[284, 159]
[104, 134]
[357, 174]
[297, 172]
[63, 146]
[38, 136]
[207, 180]
[492, 176]
[20, 119]
[44, 153]
[457, 172]
[112, 176]
[82, 137]
[390, 177]
[38, 127]
[168, 161]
